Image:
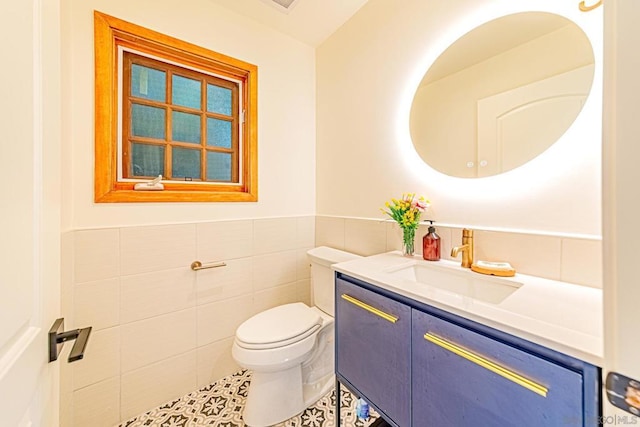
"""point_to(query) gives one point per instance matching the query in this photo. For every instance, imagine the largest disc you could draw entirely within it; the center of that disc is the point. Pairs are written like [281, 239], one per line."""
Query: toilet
[290, 348]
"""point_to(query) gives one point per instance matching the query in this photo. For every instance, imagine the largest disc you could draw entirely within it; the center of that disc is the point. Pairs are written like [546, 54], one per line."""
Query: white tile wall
[151, 340]
[365, 237]
[274, 269]
[160, 382]
[306, 231]
[218, 284]
[274, 235]
[97, 405]
[97, 303]
[528, 254]
[152, 294]
[218, 241]
[160, 329]
[304, 291]
[96, 255]
[574, 260]
[215, 362]
[273, 297]
[104, 347]
[581, 262]
[219, 320]
[330, 232]
[148, 249]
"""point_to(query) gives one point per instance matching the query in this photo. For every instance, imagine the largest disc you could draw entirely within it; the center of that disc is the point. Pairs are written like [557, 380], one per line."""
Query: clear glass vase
[408, 241]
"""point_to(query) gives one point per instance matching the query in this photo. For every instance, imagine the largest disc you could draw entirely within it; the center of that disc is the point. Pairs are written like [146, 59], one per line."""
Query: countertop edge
[588, 348]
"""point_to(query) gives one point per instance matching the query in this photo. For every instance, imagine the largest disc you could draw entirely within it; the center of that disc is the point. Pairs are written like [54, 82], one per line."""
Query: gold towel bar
[386, 316]
[197, 265]
[487, 364]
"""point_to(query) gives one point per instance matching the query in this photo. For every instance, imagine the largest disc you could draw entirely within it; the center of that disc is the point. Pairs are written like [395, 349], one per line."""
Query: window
[166, 107]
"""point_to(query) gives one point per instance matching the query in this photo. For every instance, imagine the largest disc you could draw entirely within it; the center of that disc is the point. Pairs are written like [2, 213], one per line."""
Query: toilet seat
[278, 327]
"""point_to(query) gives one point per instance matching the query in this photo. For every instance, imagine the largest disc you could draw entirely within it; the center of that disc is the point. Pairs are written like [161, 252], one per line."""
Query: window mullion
[168, 165]
[235, 134]
[203, 130]
[126, 117]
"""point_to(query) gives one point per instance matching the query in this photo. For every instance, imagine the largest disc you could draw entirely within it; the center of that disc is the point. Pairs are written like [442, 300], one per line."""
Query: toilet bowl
[290, 349]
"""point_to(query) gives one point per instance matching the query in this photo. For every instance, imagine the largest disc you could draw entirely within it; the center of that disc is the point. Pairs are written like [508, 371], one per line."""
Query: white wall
[101, 240]
[621, 201]
[286, 111]
[367, 75]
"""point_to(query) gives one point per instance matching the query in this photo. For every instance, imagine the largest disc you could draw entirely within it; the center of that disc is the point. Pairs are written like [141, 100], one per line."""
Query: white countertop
[562, 316]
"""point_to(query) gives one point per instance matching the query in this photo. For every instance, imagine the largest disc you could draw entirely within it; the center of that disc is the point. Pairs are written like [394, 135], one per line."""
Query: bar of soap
[503, 269]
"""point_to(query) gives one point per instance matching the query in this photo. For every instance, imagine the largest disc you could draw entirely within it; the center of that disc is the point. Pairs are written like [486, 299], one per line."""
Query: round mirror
[502, 94]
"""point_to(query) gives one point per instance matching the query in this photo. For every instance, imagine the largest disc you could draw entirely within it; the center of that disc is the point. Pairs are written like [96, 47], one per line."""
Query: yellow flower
[407, 210]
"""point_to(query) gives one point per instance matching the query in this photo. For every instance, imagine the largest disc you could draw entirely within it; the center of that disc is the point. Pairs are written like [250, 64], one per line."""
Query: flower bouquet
[406, 212]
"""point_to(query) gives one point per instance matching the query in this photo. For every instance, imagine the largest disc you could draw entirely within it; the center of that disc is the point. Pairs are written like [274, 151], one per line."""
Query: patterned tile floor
[220, 405]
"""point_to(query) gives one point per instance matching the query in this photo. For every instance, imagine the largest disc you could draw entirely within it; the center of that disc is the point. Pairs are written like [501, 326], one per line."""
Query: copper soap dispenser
[431, 244]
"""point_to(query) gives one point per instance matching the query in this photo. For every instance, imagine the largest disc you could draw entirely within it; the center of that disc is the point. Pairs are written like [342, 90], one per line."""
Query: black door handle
[57, 340]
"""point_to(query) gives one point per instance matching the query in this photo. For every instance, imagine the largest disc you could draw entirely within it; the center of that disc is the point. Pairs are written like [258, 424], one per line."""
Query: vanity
[435, 344]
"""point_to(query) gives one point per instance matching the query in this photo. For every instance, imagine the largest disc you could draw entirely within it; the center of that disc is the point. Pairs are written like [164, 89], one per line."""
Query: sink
[456, 280]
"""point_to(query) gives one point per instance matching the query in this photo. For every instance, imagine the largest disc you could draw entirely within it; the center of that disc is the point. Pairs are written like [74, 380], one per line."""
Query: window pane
[148, 83]
[147, 121]
[218, 166]
[218, 133]
[185, 127]
[147, 160]
[186, 92]
[218, 99]
[186, 163]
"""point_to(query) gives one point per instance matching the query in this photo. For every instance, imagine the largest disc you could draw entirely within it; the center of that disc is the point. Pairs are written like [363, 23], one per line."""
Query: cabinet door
[373, 338]
[462, 378]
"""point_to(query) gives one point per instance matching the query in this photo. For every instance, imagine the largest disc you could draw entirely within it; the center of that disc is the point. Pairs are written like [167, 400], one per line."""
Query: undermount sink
[458, 281]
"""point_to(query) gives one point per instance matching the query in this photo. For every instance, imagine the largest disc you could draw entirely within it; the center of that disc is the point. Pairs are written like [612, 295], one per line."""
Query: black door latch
[57, 339]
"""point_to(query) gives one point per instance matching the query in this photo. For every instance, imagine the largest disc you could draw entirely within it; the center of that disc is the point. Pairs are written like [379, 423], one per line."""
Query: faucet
[466, 248]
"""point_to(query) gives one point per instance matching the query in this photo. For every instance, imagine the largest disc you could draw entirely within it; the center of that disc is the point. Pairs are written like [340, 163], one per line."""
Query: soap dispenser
[431, 244]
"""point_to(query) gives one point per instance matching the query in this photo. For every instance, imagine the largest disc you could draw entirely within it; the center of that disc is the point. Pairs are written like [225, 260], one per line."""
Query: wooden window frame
[130, 58]
[111, 35]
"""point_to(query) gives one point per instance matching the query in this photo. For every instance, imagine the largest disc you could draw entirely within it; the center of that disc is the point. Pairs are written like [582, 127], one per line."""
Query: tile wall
[569, 259]
[161, 330]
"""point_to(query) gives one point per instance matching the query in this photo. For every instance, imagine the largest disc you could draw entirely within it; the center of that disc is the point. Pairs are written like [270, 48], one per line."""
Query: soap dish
[502, 269]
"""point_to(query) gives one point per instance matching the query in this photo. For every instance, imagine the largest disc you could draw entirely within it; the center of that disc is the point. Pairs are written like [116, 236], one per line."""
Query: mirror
[502, 94]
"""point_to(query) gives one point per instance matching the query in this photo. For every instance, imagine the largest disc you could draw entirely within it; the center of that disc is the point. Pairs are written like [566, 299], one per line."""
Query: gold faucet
[466, 248]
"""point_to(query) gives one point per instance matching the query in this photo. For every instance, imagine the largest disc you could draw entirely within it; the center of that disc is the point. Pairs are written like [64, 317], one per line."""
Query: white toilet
[290, 348]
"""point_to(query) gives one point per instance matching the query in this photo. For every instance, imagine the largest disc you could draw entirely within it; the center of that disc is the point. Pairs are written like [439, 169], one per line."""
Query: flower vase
[408, 241]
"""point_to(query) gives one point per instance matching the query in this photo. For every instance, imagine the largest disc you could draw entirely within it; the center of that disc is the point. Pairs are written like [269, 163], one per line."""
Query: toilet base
[274, 397]
[287, 380]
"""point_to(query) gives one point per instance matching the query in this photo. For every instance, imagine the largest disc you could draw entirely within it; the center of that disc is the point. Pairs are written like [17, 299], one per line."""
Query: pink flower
[421, 205]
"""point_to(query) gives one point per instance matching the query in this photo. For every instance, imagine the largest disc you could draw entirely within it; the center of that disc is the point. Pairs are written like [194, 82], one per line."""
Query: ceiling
[310, 21]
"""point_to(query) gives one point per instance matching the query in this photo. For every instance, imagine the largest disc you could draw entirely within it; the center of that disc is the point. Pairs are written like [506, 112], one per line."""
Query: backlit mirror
[502, 94]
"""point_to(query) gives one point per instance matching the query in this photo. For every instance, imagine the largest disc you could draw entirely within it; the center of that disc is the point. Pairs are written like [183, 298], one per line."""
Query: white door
[621, 196]
[30, 236]
[517, 125]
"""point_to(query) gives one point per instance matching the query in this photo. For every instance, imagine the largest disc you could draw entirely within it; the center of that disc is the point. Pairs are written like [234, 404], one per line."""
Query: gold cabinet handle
[487, 364]
[386, 316]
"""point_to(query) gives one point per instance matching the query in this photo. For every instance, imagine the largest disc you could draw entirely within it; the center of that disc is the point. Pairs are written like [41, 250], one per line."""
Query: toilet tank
[322, 276]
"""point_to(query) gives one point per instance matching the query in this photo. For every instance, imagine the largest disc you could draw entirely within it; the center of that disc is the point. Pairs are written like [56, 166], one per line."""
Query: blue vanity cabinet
[373, 358]
[421, 366]
[464, 378]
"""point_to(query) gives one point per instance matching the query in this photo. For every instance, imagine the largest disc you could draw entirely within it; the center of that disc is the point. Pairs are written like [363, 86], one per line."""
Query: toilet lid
[279, 324]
